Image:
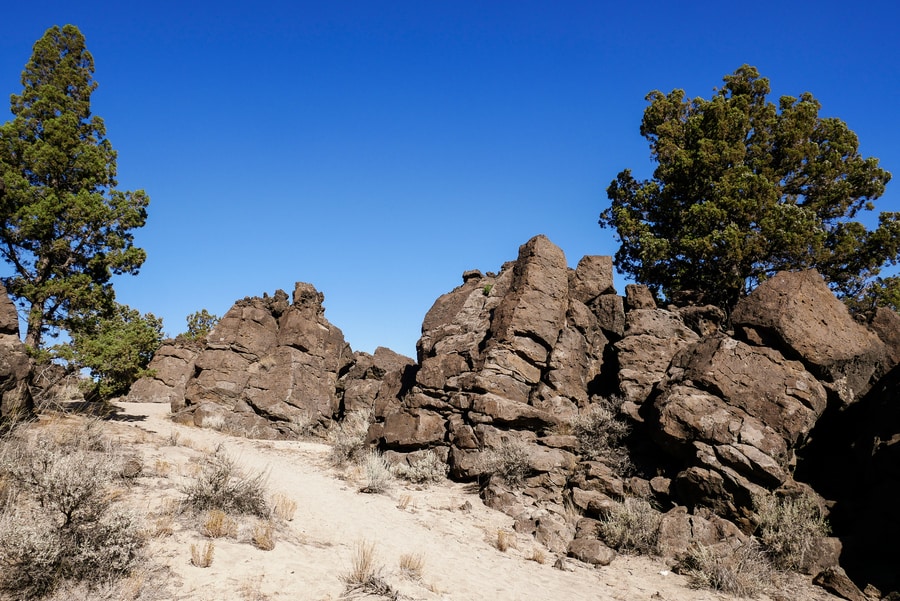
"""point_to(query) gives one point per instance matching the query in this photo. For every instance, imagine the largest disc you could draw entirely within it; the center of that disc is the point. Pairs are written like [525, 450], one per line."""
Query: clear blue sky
[379, 149]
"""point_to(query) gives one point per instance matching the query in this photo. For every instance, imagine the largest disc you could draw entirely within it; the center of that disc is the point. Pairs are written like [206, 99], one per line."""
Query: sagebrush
[601, 432]
[790, 527]
[511, 461]
[740, 569]
[631, 526]
[426, 468]
[222, 485]
[64, 526]
[348, 438]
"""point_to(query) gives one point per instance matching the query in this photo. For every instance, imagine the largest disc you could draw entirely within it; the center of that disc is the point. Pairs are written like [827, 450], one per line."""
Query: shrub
[65, 527]
[426, 468]
[600, 433]
[218, 524]
[789, 528]
[202, 557]
[263, 536]
[363, 576]
[377, 472]
[510, 461]
[743, 570]
[631, 526]
[221, 485]
[348, 438]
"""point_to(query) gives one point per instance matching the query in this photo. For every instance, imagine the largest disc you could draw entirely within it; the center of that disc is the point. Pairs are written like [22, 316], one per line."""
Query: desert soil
[447, 524]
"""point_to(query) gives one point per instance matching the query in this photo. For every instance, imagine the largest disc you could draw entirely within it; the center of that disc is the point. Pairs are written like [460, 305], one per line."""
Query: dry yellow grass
[202, 557]
[412, 565]
[263, 537]
[283, 507]
[218, 524]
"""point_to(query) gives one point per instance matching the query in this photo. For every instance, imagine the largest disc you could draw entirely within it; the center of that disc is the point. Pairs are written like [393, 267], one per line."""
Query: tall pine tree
[64, 228]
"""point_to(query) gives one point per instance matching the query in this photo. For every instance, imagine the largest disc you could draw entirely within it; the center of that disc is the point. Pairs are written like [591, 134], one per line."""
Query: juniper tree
[744, 188]
[65, 229]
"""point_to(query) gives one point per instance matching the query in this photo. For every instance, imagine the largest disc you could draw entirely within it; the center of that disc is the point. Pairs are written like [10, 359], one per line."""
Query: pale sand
[314, 550]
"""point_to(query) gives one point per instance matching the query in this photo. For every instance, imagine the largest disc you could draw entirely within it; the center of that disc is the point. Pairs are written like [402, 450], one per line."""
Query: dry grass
[283, 507]
[632, 526]
[510, 461]
[538, 555]
[743, 571]
[425, 469]
[363, 577]
[218, 524]
[263, 536]
[789, 528]
[412, 565]
[202, 557]
[505, 540]
[404, 502]
[377, 473]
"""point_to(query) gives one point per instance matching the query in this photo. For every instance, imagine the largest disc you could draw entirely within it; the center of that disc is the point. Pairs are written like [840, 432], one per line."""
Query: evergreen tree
[64, 228]
[744, 188]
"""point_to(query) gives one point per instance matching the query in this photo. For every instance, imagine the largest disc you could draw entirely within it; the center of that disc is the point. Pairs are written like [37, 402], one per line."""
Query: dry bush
[65, 526]
[263, 537]
[363, 577]
[377, 473]
[348, 438]
[425, 469]
[631, 526]
[600, 433]
[511, 462]
[218, 524]
[283, 507]
[538, 555]
[743, 570]
[790, 527]
[412, 565]
[403, 502]
[222, 485]
[505, 540]
[202, 557]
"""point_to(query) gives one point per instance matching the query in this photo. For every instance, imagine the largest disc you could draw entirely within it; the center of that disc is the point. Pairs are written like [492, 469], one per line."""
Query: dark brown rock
[797, 313]
[638, 296]
[16, 366]
[172, 366]
[591, 551]
[835, 581]
[592, 277]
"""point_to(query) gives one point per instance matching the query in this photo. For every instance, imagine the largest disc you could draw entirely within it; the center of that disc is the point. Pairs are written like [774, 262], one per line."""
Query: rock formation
[16, 367]
[513, 366]
[271, 368]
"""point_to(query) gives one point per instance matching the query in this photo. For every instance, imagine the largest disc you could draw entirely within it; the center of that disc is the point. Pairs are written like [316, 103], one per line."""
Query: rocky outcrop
[16, 367]
[796, 313]
[272, 367]
[171, 368]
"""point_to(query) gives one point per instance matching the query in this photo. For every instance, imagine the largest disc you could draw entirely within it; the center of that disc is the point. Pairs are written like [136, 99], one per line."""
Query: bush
[64, 526]
[631, 526]
[425, 468]
[511, 462]
[743, 570]
[221, 485]
[790, 527]
[600, 433]
[348, 438]
[377, 471]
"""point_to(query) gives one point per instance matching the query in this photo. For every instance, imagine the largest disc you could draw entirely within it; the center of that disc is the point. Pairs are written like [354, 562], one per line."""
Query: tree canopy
[64, 228]
[744, 188]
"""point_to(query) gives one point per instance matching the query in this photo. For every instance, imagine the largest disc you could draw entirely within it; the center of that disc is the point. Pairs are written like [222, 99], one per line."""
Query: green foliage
[64, 228]
[744, 188]
[200, 324]
[116, 348]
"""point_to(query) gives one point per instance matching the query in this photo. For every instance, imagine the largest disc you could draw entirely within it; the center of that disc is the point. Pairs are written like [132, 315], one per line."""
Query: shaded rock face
[16, 367]
[272, 367]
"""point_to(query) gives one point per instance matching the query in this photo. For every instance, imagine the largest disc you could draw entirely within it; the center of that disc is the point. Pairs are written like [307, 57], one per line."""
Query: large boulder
[171, 368]
[16, 367]
[270, 362]
[797, 313]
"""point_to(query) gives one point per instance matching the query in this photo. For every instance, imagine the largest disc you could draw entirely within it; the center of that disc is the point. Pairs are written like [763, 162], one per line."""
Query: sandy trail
[314, 550]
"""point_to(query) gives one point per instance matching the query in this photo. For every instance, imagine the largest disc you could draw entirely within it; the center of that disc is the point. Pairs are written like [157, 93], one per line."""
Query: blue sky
[379, 149]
